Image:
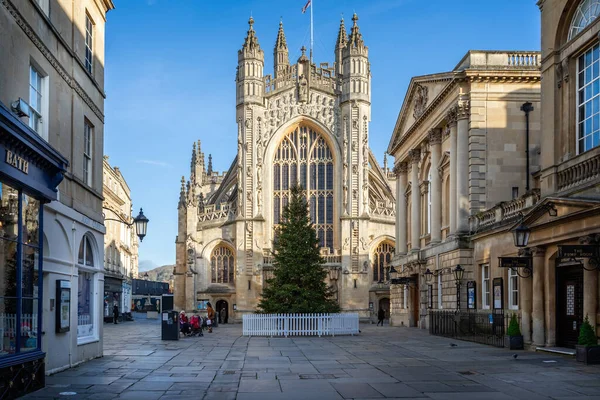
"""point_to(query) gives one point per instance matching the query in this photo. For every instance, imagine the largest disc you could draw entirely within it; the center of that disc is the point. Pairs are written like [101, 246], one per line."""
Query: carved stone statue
[302, 89]
[420, 101]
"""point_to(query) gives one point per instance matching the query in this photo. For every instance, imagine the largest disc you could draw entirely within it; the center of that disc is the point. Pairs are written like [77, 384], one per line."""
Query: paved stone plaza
[383, 362]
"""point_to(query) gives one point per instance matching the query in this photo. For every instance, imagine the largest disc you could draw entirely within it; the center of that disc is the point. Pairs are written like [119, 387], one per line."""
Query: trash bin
[170, 325]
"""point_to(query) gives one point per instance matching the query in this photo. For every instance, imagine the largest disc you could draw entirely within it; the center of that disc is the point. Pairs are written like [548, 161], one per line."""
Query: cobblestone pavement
[382, 362]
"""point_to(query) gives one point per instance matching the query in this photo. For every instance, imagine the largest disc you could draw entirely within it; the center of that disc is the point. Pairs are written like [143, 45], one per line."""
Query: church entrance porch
[569, 305]
[222, 309]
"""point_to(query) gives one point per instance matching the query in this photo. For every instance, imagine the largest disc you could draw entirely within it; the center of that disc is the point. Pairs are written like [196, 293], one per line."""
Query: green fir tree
[587, 337]
[298, 285]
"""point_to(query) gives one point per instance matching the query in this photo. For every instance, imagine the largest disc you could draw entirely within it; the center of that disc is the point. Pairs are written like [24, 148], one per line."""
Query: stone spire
[281, 59]
[197, 171]
[342, 39]
[342, 35]
[182, 194]
[209, 168]
[355, 39]
[251, 43]
[385, 163]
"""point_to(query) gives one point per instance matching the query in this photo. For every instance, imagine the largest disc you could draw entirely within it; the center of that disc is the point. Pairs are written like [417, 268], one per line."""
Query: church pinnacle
[342, 36]
[251, 42]
[281, 58]
[355, 38]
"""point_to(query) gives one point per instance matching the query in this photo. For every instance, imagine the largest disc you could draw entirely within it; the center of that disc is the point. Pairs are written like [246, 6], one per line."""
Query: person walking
[380, 316]
[210, 313]
[116, 313]
[223, 315]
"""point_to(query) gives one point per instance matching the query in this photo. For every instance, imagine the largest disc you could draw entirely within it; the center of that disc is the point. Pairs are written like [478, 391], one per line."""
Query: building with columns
[120, 242]
[563, 209]
[459, 148]
[307, 123]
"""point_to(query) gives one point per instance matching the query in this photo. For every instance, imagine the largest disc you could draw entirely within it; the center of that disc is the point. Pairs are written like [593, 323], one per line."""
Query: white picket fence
[8, 324]
[300, 324]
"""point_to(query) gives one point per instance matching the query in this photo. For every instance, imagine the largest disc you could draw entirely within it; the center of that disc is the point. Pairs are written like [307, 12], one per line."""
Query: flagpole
[311, 30]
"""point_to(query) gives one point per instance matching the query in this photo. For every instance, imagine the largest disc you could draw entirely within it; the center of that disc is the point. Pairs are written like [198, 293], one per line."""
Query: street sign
[515, 262]
[578, 251]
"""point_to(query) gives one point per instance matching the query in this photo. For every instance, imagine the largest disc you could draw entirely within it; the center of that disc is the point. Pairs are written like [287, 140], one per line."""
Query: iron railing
[487, 327]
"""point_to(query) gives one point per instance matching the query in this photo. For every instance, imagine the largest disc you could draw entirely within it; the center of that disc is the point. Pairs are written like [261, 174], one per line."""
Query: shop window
[85, 300]
[85, 256]
[19, 272]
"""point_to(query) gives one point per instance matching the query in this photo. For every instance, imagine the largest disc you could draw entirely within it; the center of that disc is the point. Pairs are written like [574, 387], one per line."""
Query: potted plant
[513, 339]
[587, 347]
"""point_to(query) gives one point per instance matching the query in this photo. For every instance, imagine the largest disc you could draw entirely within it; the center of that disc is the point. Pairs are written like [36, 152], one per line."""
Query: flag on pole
[306, 6]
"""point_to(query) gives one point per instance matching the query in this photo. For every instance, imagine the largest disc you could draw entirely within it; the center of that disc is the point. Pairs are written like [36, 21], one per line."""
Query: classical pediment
[420, 96]
[566, 209]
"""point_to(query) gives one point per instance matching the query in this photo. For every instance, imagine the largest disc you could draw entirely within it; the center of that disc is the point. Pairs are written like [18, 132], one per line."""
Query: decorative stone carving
[424, 187]
[401, 168]
[452, 116]
[285, 106]
[463, 109]
[414, 155]
[435, 136]
[420, 103]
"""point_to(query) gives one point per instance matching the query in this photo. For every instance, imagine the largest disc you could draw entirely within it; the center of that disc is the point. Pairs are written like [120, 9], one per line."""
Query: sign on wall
[471, 295]
[498, 293]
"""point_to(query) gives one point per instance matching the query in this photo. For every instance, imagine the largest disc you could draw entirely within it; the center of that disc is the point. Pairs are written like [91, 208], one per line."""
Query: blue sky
[170, 67]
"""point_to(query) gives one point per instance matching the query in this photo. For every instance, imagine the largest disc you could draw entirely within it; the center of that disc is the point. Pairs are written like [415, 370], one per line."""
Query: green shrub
[513, 326]
[587, 336]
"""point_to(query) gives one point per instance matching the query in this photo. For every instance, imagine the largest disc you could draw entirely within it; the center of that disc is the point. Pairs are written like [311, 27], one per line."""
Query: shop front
[30, 171]
[113, 295]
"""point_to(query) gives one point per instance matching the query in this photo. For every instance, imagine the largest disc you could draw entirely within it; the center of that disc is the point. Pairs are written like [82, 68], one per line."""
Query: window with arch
[304, 157]
[381, 258]
[85, 291]
[222, 264]
[585, 14]
[588, 100]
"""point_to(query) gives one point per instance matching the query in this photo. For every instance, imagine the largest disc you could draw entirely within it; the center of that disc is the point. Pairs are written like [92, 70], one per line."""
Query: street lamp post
[458, 275]
[527, 108]
[140, 222]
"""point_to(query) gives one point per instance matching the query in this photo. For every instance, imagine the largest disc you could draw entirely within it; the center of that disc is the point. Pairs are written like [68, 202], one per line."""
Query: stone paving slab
[382, 362]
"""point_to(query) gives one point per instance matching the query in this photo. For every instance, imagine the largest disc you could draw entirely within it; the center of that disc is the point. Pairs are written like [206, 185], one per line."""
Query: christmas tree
[298, 285]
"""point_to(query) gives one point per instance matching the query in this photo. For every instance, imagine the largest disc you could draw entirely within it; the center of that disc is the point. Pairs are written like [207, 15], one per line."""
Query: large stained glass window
[222, 264]
[382, 256]
[304, 157]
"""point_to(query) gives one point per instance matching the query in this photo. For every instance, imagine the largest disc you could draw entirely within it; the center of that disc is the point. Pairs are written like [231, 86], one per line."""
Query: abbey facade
[304, 124]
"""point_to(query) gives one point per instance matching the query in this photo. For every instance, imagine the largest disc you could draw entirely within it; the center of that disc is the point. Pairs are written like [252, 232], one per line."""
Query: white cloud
[155, 162]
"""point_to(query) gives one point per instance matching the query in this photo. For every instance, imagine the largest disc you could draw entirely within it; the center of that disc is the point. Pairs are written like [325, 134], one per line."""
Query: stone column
[415, 216]
[462, 167]
[401, 181]
[539, 273]
[550, 301]
[590, 294]
[451, 117]
[435, 144]
[525, 301]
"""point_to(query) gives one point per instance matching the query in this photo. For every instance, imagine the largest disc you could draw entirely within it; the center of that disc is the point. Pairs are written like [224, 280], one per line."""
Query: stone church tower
[304, 124]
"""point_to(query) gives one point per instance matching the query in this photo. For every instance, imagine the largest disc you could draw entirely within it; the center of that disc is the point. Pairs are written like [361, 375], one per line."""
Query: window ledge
[87, 340]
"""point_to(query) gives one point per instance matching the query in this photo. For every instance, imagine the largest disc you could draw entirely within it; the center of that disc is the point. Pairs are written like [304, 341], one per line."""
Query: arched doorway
[385, 305]
[223, 310]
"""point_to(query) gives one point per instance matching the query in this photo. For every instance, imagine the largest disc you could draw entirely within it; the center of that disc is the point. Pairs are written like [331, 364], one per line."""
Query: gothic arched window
[585, 14]
[381, 258]
[304, 157]
[222, 265]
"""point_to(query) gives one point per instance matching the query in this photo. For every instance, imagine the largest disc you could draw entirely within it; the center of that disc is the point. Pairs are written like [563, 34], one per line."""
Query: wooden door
[569, 305]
